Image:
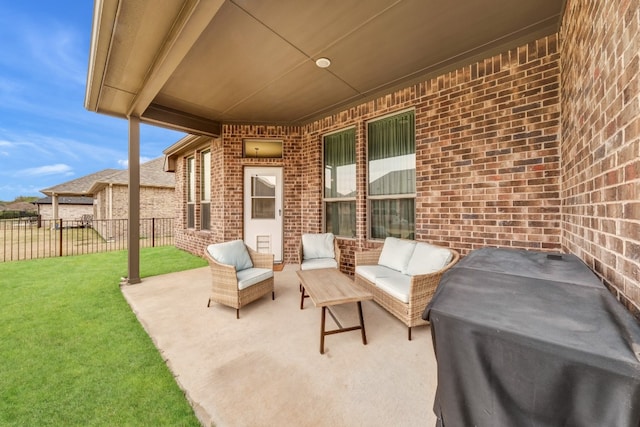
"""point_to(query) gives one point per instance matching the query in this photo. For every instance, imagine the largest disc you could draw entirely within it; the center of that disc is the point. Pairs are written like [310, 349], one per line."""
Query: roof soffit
[253, 62]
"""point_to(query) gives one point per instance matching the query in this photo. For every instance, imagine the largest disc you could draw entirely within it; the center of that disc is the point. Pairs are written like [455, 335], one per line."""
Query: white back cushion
[231, 253]
[396, 253]
[427, 259]
[318, 246]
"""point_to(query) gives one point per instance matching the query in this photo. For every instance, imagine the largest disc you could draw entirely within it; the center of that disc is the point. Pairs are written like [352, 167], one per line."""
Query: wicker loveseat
[403, 275]
[239, 275]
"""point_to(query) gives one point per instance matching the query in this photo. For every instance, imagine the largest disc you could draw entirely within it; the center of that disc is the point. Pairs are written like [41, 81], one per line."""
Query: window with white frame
[391, 158]
[191, 192]
[205, 190]
[340, 183]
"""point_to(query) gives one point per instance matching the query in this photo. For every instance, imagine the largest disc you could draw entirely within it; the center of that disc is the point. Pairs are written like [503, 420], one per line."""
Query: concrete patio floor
[265, 369]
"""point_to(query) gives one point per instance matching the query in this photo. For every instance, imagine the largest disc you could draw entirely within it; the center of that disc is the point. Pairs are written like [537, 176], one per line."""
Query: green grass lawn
[73, 353]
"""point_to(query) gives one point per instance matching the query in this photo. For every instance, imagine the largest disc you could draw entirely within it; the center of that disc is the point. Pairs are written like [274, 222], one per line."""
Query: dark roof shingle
[79, 186]
[73, 200]
[152, 174]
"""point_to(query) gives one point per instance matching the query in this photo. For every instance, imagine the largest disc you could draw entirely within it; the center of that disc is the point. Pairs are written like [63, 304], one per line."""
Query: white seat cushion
[251, 276]
[372, 272]
[231, 253]
[314, 264]
[396, 253]
[428, 259]
[317, 246]
[397, 286]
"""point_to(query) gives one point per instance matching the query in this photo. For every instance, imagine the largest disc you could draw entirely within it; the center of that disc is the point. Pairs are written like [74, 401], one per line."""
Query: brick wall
[234, 164]
[100, 205]
[195, 240]
[217, 198]
[66, 212]
[155, 202]
[601, 144]
[181, 195]
[120, 202]
[487, 154]
[227, 165]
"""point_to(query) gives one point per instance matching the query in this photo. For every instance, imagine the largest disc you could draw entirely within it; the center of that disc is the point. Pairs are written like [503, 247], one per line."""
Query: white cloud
[57, 169]
[19, 144]
[59, 148]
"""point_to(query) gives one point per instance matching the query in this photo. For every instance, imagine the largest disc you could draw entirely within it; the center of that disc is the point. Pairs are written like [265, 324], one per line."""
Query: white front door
[263, 210]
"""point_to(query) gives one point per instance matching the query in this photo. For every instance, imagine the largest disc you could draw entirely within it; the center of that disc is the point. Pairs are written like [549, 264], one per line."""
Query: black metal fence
[29, 238]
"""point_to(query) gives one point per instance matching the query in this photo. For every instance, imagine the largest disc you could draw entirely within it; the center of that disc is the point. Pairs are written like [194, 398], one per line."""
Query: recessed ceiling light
[323, 62]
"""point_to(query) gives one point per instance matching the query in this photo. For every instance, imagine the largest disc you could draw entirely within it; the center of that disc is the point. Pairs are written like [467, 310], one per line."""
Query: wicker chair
[316, 263]
[421, 289]
[306, 265]
[224, 280]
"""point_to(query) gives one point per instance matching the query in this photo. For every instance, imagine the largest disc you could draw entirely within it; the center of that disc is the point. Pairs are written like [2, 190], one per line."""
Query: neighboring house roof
[17, 206]
[390, 180]
[79, 186]
[152, 174]
[65, 201]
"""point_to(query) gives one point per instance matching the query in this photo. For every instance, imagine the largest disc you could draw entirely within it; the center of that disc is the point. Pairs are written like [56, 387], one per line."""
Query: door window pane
[263, 197]
[263, 186]
[263, 209]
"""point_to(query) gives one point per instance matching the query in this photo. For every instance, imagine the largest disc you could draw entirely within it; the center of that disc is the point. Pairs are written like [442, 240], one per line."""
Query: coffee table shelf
[328, 287]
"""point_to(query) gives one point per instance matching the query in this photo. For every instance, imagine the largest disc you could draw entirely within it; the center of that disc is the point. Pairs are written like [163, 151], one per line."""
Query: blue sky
[47, 137]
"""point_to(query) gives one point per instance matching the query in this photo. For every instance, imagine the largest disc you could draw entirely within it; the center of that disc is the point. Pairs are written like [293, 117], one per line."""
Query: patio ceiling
[193, 65]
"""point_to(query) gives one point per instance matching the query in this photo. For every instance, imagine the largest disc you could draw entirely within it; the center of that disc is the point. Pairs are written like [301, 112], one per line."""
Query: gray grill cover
[525, 340]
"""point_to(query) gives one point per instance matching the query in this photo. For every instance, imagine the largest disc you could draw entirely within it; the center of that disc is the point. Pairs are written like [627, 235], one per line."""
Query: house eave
[185, 144]
[104, 18]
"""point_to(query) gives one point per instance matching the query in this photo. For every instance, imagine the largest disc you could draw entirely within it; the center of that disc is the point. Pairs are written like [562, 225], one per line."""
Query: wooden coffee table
[328, 287]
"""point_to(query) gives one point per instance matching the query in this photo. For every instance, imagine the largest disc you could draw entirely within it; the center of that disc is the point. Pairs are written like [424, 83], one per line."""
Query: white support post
[54, 207]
